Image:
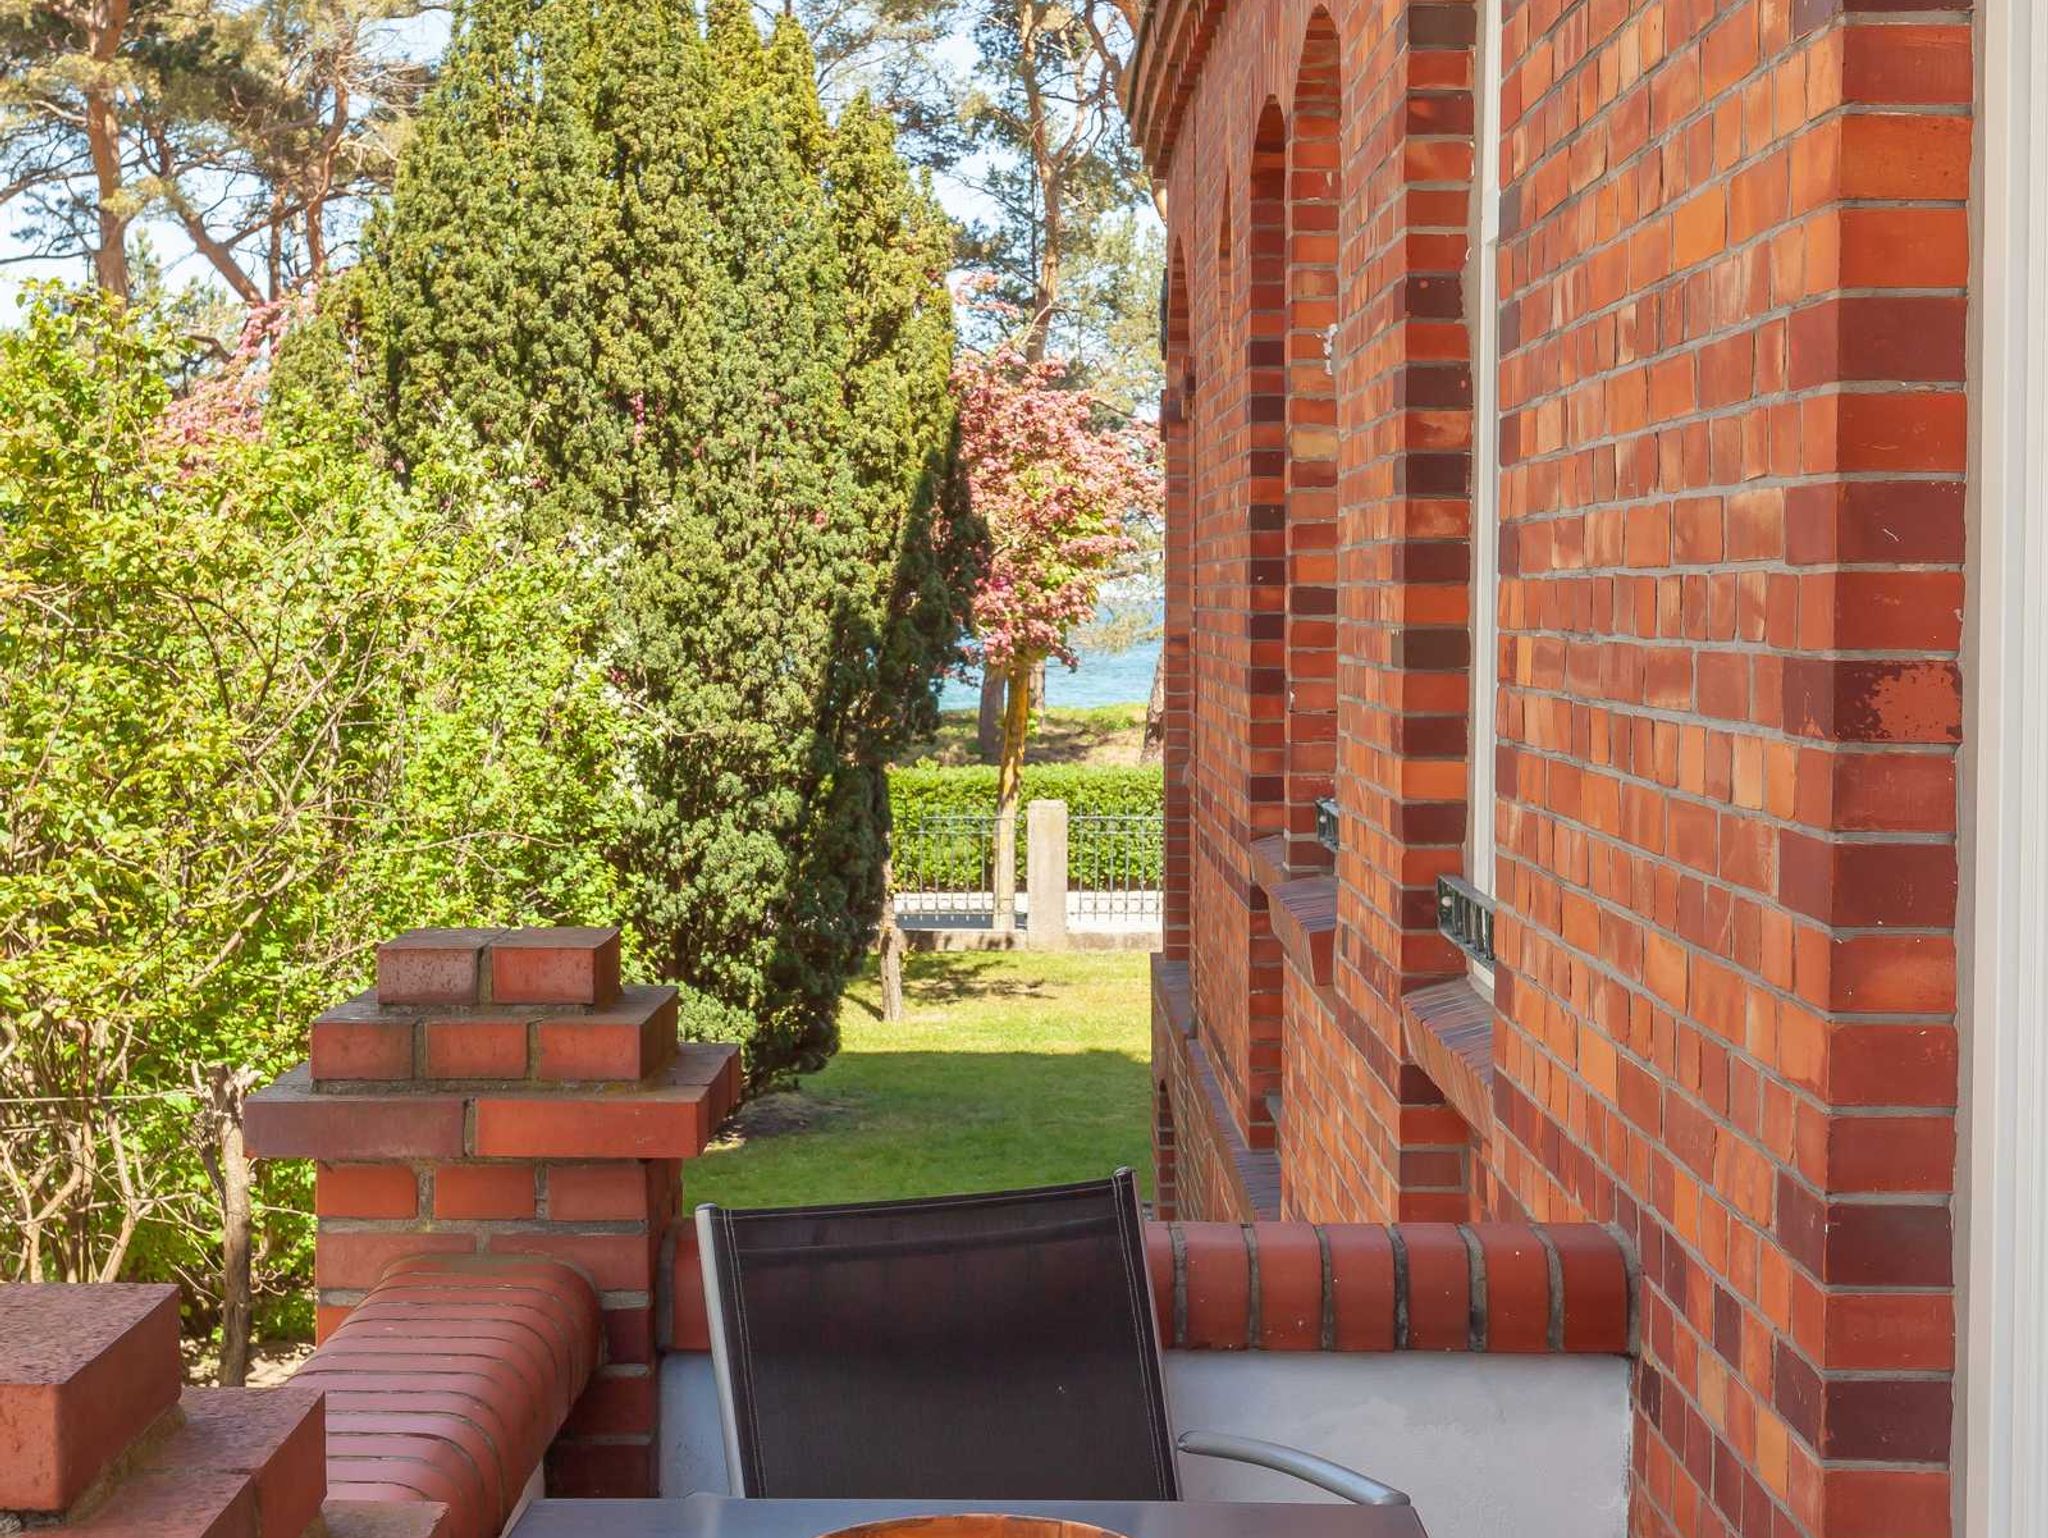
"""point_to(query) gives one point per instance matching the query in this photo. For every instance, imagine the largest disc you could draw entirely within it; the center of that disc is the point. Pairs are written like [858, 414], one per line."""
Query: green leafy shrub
[918, 790]
[942, 859]
[260, 706]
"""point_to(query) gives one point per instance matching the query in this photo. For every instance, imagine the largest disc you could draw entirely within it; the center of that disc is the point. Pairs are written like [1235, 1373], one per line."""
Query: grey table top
[718, 1516]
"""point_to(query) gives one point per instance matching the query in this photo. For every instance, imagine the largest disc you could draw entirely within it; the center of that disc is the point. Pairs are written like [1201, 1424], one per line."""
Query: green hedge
[935, 861]
[927, 790]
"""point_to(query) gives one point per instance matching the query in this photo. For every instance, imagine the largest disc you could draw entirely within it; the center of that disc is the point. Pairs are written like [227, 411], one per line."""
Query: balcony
[1485, 1371]
[514, 1337]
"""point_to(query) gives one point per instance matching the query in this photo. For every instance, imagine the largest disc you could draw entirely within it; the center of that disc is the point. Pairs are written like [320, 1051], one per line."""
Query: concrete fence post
[1045, 874]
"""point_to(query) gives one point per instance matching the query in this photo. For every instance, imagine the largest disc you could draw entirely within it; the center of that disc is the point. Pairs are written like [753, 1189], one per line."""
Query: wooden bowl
[976, 1525]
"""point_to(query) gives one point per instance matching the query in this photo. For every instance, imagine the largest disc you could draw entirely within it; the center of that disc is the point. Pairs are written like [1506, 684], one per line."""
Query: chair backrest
[964, 1347]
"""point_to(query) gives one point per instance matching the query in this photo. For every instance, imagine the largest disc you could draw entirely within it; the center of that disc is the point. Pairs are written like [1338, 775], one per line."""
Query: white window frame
[1485, 289]
[2003, 1234]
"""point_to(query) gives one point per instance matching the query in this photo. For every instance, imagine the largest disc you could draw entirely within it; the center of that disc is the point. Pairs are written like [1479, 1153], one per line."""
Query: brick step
[243, 1463]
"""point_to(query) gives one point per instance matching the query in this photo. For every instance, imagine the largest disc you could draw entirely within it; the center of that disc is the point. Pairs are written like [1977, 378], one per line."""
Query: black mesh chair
[987, 1347]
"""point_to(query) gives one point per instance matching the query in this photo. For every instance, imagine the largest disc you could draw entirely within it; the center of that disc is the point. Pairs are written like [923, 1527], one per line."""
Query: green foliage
[260, 706]
[1088, 789]
[711, 328]
[920, 792]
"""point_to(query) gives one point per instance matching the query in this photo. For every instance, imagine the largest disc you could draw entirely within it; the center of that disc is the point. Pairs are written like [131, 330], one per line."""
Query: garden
[1007, 1068]
[588, 447]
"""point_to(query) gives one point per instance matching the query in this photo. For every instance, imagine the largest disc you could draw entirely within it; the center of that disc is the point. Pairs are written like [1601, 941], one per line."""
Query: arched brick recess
[1268, 325]
[1175, 408]
[1314, 190]
[1221, 750]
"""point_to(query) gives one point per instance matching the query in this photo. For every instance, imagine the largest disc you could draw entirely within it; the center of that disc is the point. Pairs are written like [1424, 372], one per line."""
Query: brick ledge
[1303, 908]
[1448, 1031]
[1173, 995]
[1258, 1169]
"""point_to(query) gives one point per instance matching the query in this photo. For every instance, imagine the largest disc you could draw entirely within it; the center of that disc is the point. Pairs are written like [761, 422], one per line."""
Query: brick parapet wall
[503, 1094]
[1289, 1286]
[1735, 249]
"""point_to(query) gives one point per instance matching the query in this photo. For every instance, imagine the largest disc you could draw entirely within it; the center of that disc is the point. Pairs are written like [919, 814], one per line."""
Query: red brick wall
[1325, 546]
[1734, 248]
[1731, 605]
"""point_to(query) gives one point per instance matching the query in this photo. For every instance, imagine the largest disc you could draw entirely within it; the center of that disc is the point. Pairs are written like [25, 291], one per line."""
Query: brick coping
[448, 1382]
[1503, 1288]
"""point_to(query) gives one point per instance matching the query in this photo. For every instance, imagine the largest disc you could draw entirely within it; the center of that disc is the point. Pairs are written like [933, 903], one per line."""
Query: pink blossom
[1056, 490]
[228, 402]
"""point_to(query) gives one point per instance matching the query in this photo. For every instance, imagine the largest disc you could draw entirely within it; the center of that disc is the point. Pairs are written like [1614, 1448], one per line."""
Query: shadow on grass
[955, 977]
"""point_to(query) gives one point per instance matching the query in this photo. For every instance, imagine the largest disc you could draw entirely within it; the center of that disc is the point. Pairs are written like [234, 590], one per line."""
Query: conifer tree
[445, 324]
[896, 244]
[765, 513]
[720, 327]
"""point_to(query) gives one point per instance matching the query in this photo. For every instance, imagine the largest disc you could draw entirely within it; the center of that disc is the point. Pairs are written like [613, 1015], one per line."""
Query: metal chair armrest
[1357, 1488]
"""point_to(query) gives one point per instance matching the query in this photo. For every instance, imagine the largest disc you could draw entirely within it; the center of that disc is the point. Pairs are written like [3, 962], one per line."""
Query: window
[1466, 915]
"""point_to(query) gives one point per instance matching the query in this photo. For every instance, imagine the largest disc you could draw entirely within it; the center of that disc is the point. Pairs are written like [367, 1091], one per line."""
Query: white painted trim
[1485, 282]
[2003, 1433]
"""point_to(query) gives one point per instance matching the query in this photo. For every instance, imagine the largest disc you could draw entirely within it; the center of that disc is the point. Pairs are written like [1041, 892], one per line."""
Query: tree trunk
[1053, 233]
[1048, 171]
[892, 949]
[221, 257]
[227, 1161]
[988, 729]
[1038, 687]
[1154, 742]
[1009, 782]
[891, 963]
[103, 138]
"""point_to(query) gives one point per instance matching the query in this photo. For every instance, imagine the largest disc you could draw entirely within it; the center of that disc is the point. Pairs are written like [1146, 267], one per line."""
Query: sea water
[1103, 678]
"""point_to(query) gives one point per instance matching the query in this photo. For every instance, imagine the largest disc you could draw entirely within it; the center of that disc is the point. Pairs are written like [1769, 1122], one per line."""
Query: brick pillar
[1403, 636]
[499, 1092]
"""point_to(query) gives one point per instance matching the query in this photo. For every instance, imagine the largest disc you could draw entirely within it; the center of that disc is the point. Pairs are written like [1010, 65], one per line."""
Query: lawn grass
[1009, 1069]
[1085, 734]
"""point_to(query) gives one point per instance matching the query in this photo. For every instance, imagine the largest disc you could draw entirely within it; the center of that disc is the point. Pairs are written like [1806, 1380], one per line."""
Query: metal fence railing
[1116, 867]
[944, 867]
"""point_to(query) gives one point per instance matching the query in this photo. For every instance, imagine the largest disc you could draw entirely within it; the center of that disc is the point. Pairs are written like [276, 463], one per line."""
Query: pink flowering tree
[1058, 484]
